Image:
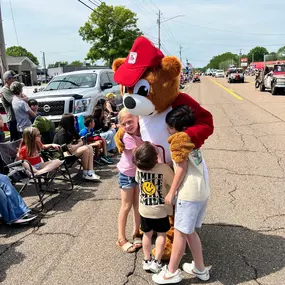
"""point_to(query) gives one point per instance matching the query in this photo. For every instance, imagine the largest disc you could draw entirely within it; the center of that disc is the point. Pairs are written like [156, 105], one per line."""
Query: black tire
[261, 87]
[242, 81]
[273, 90]
[257, 84]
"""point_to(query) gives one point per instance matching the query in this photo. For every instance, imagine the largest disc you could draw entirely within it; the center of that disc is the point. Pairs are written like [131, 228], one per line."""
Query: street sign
[243, 64]
[244, 59]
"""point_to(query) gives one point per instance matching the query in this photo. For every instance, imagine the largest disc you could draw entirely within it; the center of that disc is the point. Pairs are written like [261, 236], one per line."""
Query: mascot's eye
[142, 87]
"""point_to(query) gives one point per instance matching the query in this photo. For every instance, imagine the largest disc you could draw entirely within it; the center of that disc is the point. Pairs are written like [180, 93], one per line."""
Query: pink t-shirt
[125, 164]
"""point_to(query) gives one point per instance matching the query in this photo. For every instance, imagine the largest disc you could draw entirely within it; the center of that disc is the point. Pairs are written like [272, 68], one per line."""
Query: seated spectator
[34, 105]
[106, 129]
[2, 135]
[30, 149]
[95, 141]
[12, 207]
[111, 105]
[21, 108]
[67, 135]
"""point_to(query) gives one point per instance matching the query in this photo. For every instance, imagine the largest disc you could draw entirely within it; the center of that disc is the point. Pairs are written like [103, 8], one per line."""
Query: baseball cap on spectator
[9, 74]
[16, 87]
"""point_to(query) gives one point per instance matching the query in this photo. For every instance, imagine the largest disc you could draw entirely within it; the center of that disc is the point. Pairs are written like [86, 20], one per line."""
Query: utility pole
[240, 56]
[180, 51]
[3, 62]
[44, 63]
[158, 23]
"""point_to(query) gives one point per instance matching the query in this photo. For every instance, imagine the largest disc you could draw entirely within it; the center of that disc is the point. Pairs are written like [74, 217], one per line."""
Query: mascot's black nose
[129, 102]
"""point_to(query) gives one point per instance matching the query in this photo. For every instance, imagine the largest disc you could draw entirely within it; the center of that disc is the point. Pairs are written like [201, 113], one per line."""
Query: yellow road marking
[228, 90]
[251, 82]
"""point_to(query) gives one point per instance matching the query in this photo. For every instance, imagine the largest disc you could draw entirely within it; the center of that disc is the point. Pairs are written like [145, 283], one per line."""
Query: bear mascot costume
[150, 88]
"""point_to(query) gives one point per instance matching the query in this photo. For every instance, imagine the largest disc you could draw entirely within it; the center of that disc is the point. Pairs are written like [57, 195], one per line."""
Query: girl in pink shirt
[129, 188]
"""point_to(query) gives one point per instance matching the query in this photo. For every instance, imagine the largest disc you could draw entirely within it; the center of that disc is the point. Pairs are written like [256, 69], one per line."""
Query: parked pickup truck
[76, 92]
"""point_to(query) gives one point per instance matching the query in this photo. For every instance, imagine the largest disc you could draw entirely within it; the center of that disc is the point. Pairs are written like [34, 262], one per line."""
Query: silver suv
[76, 92]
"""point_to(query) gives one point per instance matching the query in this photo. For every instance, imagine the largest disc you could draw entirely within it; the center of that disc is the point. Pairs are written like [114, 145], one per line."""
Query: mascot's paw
[180, 146]
[119, 140]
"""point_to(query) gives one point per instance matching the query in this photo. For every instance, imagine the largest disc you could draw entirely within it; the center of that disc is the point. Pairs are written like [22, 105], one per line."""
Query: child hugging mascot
[151, 83]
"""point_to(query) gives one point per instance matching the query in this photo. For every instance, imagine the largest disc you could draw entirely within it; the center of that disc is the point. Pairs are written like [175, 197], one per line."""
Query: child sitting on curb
[154, 180]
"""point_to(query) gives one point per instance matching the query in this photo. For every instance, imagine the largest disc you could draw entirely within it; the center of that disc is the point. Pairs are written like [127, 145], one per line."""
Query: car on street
[235, 75]
[219, 73]
[273, 80]
[196, 77]
[76, 92]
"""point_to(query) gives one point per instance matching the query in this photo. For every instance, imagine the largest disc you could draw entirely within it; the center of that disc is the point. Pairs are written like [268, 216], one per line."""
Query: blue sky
[207, 27]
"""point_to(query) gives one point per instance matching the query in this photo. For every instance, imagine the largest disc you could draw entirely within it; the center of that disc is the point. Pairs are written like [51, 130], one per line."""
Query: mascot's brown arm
[180, 146]
[119, 140]
[203, 126]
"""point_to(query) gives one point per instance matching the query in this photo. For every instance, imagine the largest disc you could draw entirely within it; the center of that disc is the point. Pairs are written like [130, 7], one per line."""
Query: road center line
[228, 90]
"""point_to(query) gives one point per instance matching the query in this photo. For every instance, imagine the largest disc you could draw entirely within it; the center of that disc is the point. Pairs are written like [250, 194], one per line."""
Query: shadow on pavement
[14, 258]
[238, 254]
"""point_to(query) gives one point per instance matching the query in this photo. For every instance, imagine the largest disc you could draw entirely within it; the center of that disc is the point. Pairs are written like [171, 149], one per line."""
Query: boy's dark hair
[180, 117]
[33, 102]
[145, 156]
[88, 120]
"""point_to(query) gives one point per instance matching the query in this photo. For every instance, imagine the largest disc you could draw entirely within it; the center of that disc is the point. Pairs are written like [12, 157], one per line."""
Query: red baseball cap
[142, 56]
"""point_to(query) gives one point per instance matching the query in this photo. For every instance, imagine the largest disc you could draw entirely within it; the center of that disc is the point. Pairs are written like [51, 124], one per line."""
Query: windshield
[82, 80]
[279, 68]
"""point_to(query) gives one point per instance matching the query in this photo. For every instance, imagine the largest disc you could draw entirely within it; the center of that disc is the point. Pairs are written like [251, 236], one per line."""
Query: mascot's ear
[117, 63]
[171, 65]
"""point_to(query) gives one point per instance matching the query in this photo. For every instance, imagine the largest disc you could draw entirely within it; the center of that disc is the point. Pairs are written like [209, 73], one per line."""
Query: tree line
[222, 61]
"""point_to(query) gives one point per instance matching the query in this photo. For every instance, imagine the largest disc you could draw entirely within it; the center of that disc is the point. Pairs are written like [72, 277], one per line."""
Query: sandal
[126, 246]
[137, 241]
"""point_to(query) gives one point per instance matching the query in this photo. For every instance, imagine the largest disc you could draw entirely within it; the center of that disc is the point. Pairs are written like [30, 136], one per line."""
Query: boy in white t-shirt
[190, 184]
[154, 180]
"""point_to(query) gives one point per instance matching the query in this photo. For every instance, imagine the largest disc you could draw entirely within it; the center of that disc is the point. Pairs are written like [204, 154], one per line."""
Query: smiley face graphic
[148, 188]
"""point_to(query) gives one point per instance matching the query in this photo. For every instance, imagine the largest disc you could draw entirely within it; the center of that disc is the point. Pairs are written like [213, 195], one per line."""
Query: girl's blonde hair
[29, 140]
[124, 112]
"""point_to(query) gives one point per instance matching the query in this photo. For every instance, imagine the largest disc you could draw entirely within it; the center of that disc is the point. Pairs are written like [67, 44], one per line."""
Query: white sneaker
[92, 176]
[146, 264]
[155, 267]
[191, 269]
[165, 277]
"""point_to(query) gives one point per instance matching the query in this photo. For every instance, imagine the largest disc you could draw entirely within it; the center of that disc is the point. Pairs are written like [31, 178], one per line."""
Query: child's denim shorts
[126, 182]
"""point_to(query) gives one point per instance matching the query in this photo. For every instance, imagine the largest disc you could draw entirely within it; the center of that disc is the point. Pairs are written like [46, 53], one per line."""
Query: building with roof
[24, 66]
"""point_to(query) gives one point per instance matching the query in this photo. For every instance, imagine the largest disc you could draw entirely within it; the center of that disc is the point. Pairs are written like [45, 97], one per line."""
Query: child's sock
[90, 172]
[85, 172]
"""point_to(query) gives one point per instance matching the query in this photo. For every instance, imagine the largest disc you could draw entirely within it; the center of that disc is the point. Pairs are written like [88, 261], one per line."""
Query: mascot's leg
[169, 241]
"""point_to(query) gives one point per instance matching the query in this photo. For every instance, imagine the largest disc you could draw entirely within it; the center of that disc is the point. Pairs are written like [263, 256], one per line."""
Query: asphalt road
[244, 230]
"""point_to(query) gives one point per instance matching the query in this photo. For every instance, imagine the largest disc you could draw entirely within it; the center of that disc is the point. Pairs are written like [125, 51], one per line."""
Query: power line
[14, 23]
[227, 31]
[128, 31]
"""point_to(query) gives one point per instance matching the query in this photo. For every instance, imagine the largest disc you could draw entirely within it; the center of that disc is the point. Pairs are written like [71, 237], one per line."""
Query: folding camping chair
[16, 171]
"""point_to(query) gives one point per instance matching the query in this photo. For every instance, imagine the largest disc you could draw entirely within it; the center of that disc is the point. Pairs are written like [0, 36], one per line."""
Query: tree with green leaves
[257, 54]
[20, 51]
[76, 63]
[58, 64]
[227, 57]
[111, 30]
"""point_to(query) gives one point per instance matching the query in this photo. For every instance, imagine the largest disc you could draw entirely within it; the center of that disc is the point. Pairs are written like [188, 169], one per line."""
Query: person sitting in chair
[13, 209]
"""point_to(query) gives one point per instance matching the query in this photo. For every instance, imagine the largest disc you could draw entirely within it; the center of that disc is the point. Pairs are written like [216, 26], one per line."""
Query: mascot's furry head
[151, 79]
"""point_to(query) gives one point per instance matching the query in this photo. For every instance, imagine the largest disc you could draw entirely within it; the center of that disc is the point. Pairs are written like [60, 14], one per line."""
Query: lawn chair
[16, 171]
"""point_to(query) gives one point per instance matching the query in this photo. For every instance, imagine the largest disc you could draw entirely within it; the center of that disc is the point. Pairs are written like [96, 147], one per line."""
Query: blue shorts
[38, 166]
[126, 182]
[189, 215]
